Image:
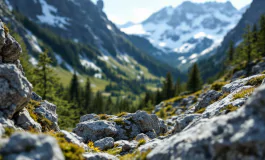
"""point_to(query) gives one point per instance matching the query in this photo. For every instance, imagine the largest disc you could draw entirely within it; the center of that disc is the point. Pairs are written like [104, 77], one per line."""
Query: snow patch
[49, 16]
[89, 64]
[33, 61]
[9, 5]
[98, 75]
[136, 29]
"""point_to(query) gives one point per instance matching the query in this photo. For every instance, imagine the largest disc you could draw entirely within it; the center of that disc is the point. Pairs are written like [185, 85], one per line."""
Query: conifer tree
[168, 88]
[261, 36]
[158, 96]
[247, 50]
[98, 104]
[45, 81]
[87, 96]
[231, 51]
[254, 41]
[74, 88]
[177, 87]
[194, 82]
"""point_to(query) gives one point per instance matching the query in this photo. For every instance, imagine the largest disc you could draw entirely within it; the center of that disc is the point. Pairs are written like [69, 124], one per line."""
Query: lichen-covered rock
[238, 135]
[73, 138]
[146, 122]
[36, 97]
[15, 90]
[48, 110]
[95, 130]
[30, 146]
[99, 156]
[89, 117]
[238, 74]
[105, 143]
[207, 99]
[183, 121]
[142, 136]
[238, 83]
[216, 108]
[24, 121]
[258, 68]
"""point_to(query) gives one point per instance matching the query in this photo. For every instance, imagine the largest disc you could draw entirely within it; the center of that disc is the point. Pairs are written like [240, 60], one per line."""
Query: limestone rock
[238, 135]
[238, 83]
[30, 146]
[89, 117]
[24, 121]
[73, 138]
[48, 110]
[207, 98]
[142, 137]
[105, 143]
[36, 97]
[99, 156]
[183, 121]
[15, 90]
[95, 130]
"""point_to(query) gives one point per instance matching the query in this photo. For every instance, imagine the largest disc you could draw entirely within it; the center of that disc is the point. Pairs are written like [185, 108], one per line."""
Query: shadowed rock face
[15, 89]
[238, 135]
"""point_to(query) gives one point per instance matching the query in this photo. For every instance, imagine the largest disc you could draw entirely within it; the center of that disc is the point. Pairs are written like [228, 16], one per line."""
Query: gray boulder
[36, 97]
[238, 74]
[24, 121]
[147, 122]
[183, 121]
[238, 135]
[2, 130]
[207, 99]
[89, 117]
[73, 138]
[99, 156]
[15, 90]
[48, 110]
[238, 83]
[258, 68]
[142, 136]
[105, 143]
[95, 130]
[30, 146]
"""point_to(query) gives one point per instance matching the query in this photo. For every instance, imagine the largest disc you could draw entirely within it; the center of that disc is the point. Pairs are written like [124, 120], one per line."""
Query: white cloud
[116, 19]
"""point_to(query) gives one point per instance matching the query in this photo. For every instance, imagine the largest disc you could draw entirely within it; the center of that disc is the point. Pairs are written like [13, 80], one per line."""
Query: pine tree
[168, 88]
[247, 50]
[231, 51]
[254, 41]
[158, 96]
[44, 80]
[98, 104]
[177, 87]
[261, 36]
[194, 82]
[74, 89]
[87, 96]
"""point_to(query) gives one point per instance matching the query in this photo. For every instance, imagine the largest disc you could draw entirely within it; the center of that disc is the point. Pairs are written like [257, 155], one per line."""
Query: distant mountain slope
[189, 31]
[84, 29]
[252, 16]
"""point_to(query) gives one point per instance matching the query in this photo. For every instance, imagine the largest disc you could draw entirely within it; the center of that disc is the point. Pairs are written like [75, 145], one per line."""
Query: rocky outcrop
[183, 121]
[142, 137]
[207, 99]
[30, 146]
[238, 83]
[73, 138]
[105, 143]
[120, 128]
[24, 121]
[99, 156]
[15, 90]
[48, 110]
[95, 130]
[238, 135]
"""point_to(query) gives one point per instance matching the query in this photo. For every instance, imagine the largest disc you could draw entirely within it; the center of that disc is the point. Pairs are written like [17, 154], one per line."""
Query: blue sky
[122, 11]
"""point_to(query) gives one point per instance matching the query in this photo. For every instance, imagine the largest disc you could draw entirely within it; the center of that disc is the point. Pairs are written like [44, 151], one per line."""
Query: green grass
[66, 76]
[218, 85]
[114, 151]
[244, 93]
[229, 108]
[256, 81]
[202, 110]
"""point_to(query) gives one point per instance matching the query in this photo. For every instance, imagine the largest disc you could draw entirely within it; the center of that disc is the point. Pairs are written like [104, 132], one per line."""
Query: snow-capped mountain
[189, 31]
[82, 38]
